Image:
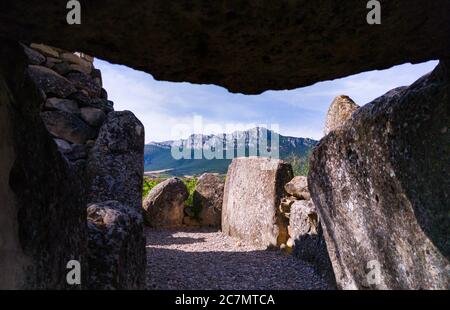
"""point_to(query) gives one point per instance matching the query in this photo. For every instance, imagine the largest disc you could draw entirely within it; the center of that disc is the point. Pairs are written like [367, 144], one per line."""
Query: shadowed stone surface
[67, 126]
[65, 105]
[115, 164]
[208, 199]
[245, 46]
[117, 257]
[253, 190]
[42, 214]
[51, 82]
[305, 232]
[380, 184]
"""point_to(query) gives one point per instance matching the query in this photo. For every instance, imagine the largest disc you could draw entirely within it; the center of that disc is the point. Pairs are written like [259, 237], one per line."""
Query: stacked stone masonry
[75, 103]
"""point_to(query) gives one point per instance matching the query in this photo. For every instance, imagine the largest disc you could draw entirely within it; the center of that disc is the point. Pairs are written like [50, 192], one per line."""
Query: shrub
[190, 184]
[300, 165]
[149, 183]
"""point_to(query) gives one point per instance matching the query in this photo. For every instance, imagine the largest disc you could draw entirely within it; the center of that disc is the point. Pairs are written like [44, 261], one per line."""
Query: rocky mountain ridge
[244, 143]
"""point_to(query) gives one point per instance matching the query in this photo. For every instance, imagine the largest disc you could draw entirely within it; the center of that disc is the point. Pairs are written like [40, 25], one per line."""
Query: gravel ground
[207, 259]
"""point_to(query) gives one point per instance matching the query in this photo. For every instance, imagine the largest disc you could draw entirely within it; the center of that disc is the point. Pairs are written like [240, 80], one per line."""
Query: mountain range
[158, 155]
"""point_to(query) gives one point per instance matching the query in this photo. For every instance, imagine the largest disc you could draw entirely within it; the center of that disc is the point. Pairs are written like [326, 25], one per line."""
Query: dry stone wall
[64, 147]
[75, 104]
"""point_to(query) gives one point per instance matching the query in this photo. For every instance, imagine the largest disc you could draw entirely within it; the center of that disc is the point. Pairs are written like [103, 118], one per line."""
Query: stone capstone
[246, 46]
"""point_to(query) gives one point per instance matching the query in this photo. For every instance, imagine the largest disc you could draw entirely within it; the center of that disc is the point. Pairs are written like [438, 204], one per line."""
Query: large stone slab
[115, 165]
[246, 46]
[253, 190]
[380, 183]
[42, 208]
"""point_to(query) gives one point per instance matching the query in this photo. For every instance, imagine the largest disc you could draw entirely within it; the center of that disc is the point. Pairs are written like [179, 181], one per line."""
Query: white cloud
[300, 112]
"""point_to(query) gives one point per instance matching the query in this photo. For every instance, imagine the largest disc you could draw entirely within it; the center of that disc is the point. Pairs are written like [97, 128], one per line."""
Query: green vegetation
[190, 184]
[159, 157]
[149, 183]
[300, 165]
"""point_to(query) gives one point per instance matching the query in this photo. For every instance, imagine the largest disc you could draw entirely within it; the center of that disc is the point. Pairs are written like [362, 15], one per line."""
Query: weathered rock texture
[164, 205]
[380, 184]
[115, 164]
[43, 184]
[116, 253]
[208, 199]
[74, 108]
[306, 238]
[340, 110]
[246, 46]
[253, 191]
[42, 214]
[298, 187]
[115, 168]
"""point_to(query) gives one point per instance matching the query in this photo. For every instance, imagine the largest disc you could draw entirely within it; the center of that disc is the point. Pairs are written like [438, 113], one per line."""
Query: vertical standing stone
[115, 165]
[208, 199]
[115, 175]
[253, 190]
[42, 213]
[340, 110]
[380, 184]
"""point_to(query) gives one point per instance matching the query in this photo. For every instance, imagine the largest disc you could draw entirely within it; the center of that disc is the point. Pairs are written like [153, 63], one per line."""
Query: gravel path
[207, 259]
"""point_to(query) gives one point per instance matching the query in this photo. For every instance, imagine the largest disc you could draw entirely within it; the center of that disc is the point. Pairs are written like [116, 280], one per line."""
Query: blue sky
[161, 106]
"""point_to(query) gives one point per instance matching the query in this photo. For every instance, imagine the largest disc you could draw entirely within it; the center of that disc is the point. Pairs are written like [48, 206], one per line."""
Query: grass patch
[190, 184]
[149, 183]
